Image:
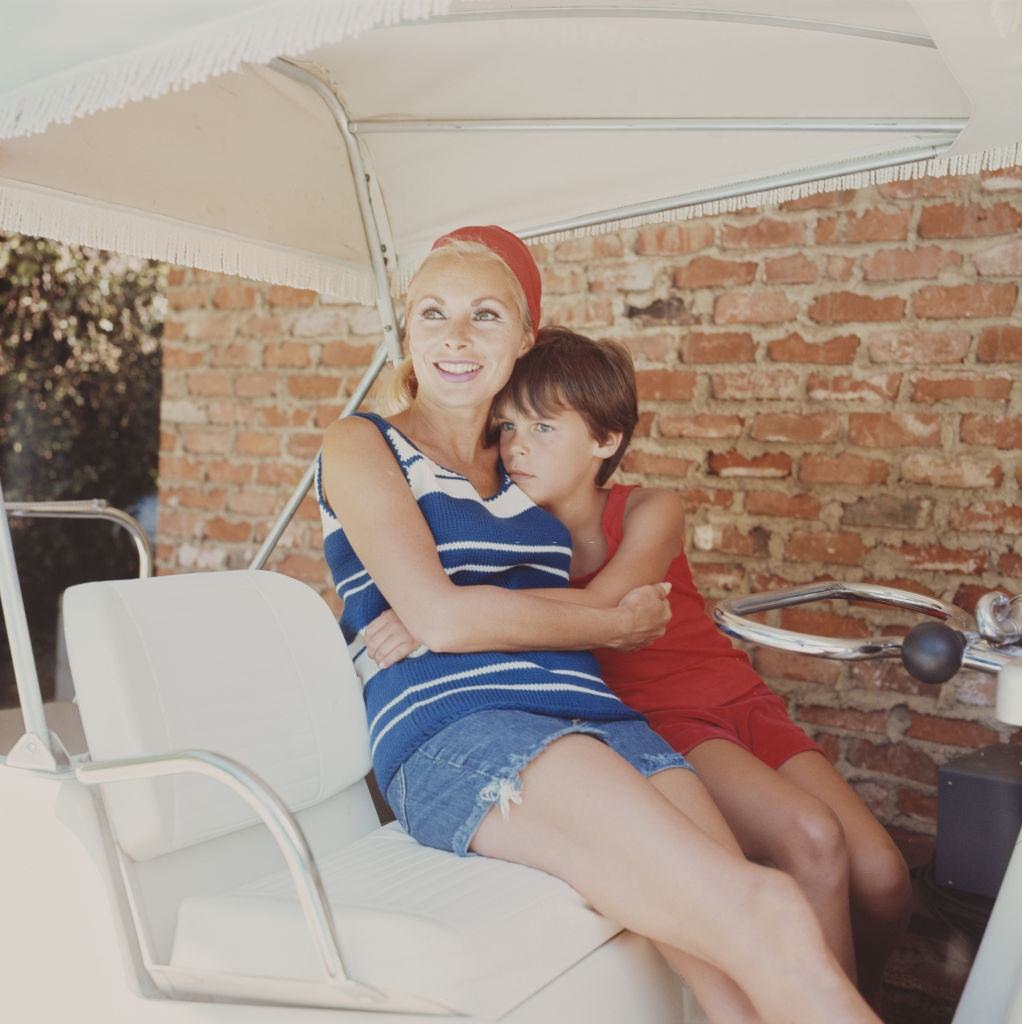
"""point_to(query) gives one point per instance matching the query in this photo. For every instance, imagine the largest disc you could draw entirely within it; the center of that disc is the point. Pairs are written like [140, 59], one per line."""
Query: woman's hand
[647, 613]
[387, 639]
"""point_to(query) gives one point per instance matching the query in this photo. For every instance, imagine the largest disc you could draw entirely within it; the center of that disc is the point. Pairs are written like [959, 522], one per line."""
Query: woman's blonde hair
[397, 387]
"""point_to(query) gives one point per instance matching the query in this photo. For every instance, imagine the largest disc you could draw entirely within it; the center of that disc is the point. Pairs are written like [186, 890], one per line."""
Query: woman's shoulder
[354, 436]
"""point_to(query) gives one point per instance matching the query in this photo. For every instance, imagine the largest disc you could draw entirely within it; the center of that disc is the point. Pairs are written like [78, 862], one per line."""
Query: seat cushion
[476, 934]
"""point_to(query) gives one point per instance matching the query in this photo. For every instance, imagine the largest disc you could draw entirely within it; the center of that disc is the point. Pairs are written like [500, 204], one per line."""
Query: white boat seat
[475, 934]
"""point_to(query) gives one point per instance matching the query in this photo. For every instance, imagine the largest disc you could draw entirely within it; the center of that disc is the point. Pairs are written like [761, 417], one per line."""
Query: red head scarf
[512, 250]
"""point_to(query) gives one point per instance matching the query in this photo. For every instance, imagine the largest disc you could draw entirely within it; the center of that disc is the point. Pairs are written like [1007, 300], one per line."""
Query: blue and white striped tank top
[504, 541]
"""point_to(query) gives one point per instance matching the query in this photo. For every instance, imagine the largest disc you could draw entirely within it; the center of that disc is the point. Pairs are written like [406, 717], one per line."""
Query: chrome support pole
[37, 738]
[377, 255]
[273, 812]
[285, 517]
[734, 191]
[96, 508]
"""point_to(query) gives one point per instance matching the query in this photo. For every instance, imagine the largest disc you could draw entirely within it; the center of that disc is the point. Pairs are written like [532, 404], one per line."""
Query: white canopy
[160, 129]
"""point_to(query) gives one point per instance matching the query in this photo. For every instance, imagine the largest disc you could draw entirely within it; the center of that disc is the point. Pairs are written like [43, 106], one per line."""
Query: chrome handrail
[95, 508]
[273, 812]
[729, 614]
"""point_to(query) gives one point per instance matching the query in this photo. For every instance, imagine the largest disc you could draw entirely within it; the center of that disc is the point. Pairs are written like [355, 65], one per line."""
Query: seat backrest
[248, 664]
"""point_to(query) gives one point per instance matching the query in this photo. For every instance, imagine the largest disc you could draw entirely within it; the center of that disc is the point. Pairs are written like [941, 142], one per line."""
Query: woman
[600, 800]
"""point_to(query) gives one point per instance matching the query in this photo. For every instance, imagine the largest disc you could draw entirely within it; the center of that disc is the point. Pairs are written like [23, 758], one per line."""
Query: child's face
[552, 458]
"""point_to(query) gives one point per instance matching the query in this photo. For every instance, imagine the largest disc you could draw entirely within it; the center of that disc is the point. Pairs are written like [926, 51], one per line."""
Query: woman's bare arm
[365, 487]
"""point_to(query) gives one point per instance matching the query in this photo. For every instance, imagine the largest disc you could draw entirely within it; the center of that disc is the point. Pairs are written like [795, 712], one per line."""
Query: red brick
[260, 327]
[846, 719]
[802, 428]
[922, 188]
[955, 220]
[580, 311]
[187, 298]
[992, 516]
[563, 280]
[761, 234]
[939, 471]
[591, 247]
[665, 385]
[788, 506]
[209, 383]
[876, 226]
[234, 296]
[804, 620]
[180, 357]
[820, 200]
[967, 596]
[305, 445]
[668, 239]
[942, 389]
[937, 302]
[633, 276]
[793, 348]
[841, 548]
[800, 667]
[1010, 564]
[254, 503]
[848, 307]
[936, 558]
[257, 442]
[724, 347]
[741, 385]
[950, 732]
[275, 416]
[644, 428]
[1004, 179]
[709, 272]
[1004, 260]
[842, 469]
[839, 268]
[278, 474]
[896, 759]
[877, 387]
[340, 353]
[729, 539]
[225, 530]
[312, 386]
[913, 345]
[826, 231]
[1000, 344]
[193, 497]
[286, 353]
[919, 805]
[229, 471]
[175, 523]
[908, 264]
[703, 425]
[206, 440]
[237, 354]
[307, 568]
[654, 347]
[992, 431]
[717, 577]
[178, 468]
[758, 307]
[733, 464]
[697, 499]
[656, 464]
[795, 269]
[279, 295]
[894, 429]
[255, 385]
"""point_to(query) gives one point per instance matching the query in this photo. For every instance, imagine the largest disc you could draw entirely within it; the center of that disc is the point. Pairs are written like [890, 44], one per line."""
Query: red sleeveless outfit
[691, 684]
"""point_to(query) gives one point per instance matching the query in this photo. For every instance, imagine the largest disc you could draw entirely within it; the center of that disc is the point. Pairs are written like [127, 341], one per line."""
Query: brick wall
[834, 386]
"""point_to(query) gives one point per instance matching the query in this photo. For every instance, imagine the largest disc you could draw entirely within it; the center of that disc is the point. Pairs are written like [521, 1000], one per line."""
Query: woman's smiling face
[464, 329]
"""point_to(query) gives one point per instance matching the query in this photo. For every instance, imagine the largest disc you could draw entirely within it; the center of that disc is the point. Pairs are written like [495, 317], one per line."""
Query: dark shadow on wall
[80, 382]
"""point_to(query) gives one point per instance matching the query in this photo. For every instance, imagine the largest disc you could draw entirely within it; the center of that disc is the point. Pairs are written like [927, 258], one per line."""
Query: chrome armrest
[271, 809]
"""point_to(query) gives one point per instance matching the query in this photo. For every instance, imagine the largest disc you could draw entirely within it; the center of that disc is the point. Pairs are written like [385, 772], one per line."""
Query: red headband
[512, 250]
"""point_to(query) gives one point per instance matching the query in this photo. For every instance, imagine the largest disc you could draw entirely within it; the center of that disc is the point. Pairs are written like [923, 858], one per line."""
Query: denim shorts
[441, 794]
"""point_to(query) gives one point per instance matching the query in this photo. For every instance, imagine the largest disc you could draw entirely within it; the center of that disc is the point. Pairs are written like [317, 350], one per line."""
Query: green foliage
[80, 375]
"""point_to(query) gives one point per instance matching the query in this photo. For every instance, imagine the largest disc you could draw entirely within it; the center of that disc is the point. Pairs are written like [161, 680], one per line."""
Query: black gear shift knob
[932, 652]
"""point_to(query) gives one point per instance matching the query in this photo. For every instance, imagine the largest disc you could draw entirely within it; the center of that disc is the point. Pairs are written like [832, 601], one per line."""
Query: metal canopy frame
[376, 230]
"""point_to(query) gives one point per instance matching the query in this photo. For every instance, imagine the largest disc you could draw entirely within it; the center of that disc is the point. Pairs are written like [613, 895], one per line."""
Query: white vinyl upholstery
[247, 664]
[475, 934]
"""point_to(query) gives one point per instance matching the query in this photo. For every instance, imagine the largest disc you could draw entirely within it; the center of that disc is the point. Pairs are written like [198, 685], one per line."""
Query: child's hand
[648, 615]
[387, 640]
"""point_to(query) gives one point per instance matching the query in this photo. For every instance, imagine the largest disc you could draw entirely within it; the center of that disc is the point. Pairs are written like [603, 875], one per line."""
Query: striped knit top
[503, 541]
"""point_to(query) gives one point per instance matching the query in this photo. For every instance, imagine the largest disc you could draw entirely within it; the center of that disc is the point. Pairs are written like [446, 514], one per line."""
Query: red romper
[691, 684]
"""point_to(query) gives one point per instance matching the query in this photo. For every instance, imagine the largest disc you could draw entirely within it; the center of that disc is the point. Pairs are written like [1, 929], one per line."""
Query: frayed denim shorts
[441, 794]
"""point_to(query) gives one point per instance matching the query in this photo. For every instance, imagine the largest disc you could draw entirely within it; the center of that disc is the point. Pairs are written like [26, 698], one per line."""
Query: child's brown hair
[565, 370]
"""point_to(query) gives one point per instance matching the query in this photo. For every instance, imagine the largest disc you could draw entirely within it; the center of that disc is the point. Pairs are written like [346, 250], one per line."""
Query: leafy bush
[80, 374]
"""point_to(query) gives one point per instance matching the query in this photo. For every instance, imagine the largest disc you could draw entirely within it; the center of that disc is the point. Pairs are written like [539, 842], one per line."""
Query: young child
[564, 420]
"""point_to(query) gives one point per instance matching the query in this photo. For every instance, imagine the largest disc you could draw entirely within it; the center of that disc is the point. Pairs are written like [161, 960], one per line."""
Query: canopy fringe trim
[30, 210]
[275, 30]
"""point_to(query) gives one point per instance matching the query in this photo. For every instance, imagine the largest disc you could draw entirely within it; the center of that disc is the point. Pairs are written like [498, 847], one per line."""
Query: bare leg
[775, 819]
[588, 817]
[881, 890]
